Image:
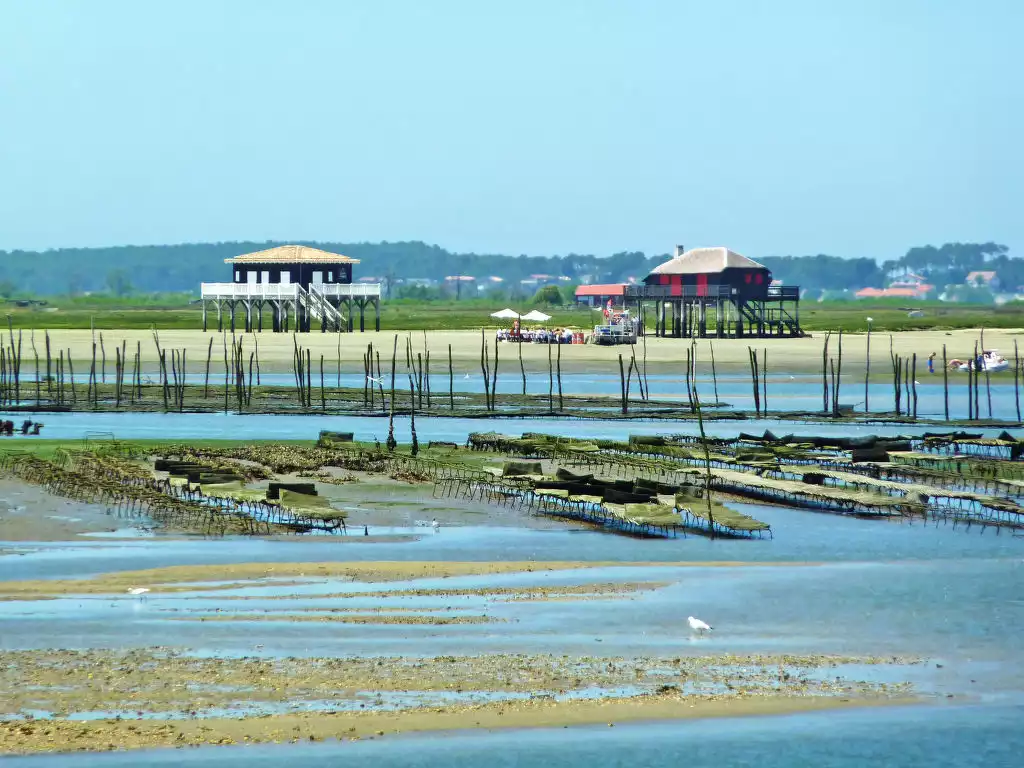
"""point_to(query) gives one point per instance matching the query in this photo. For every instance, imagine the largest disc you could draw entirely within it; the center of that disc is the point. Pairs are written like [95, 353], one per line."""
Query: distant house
[598, 295]
[983, 279]
[896, 292]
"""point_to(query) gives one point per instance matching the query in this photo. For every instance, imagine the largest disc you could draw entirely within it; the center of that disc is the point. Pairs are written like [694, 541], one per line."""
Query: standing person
[931, 363]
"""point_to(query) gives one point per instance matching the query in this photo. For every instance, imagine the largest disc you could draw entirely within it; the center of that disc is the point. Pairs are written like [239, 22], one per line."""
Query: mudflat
[795, 355]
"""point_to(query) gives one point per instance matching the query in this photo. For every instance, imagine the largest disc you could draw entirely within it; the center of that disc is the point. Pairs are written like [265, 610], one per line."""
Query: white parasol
[536, 316]
[505, 314]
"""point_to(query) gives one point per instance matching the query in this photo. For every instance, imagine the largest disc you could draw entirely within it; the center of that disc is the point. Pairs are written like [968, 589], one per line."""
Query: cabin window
[318, 277]
[330, 277]
[747, 278]
[265, 276]
[286, 277]
[238, 276]
[759, 279]
[251, 276]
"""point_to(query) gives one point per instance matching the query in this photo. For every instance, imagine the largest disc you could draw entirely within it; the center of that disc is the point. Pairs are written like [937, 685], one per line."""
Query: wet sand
[157, 697]
[662, 354]
[29, 513]
[106, 735]
[179, 578]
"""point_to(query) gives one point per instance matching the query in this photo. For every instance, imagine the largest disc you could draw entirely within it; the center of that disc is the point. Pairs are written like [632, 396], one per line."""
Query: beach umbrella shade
[505, 314]
[536, 316]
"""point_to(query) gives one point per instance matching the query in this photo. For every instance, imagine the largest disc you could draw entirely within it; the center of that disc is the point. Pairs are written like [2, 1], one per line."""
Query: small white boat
[991, 362]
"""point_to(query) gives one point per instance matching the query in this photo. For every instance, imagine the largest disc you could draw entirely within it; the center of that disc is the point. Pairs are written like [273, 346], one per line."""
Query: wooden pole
[824, 373]
[117, 382]
[897, 380]
[688, 376]
[707, 462]
[945, 383]
[1016, 378]
[412, 416]
[913, 378]
[394, 362]
[35, 354]
[494, 377]
[419, 373]
[71, 372]
[323, 396]
[970, 389]
[561, 405]
[867, 371]
[309, 380]
[906, 386]
[988, 383]
[551, 385]
[49, 370]
[977, 386]
[622, 385]
[764, 382]
[451, 380]
[380, 381]
[483, 369]
[522, 367]
[206, 381]
[839, 375]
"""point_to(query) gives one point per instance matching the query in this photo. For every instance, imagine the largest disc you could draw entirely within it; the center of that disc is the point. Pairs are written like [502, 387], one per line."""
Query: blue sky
[790, 126]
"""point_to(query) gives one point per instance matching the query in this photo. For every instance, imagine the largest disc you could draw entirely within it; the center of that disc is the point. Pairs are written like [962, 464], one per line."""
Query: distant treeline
[131, 269]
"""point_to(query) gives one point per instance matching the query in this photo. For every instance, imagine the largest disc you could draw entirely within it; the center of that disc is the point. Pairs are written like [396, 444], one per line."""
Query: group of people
[535, 335]
[28, 427]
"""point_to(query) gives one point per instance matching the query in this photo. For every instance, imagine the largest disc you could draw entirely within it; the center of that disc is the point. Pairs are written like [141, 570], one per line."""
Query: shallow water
[786, 391]
[879, 588]
[902, 737]
[186, 426]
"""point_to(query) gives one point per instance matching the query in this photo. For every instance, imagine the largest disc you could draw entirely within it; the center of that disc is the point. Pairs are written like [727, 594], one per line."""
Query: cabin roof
[602, 289]
[705, 260]
[292, 254]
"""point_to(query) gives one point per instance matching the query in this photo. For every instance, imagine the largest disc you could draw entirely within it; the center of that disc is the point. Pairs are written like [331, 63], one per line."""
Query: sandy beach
[663, 355]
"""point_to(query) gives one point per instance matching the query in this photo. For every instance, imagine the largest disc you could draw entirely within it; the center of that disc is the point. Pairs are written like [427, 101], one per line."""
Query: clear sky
[856, 127]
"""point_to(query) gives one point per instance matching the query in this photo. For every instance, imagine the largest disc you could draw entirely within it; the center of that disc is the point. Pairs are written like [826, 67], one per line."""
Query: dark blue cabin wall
[300, 273]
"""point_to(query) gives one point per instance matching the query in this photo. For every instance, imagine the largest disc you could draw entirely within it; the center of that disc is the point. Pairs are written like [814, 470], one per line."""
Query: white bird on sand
[466, 376]
[436, 525]
[138, 591]
[698, 626]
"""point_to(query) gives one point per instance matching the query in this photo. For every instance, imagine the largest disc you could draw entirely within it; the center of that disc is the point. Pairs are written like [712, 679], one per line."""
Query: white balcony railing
[286, 290]
[344, 290]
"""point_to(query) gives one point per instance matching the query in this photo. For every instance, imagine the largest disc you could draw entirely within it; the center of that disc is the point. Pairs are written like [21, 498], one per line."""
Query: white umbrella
[505, 314]
[536, 316]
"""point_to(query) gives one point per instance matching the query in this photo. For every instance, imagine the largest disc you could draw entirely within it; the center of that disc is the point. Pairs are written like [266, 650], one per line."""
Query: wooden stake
[945, 383]
[867, 371]
[913, 378]
[622, 385]
[1016, 378]
[451, 380]
[561, 405]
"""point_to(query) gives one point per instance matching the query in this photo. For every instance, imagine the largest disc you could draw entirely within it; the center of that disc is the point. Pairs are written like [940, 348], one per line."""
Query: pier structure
[300, 287]
[715, 292]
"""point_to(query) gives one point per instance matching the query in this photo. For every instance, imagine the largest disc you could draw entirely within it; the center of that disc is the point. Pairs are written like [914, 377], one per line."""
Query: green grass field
[174, 312]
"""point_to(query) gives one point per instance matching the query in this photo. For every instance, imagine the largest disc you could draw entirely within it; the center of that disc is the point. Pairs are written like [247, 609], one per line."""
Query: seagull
[375, 381]
[436, 525]
[466, 376]
[139, 592]
[698, 626]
